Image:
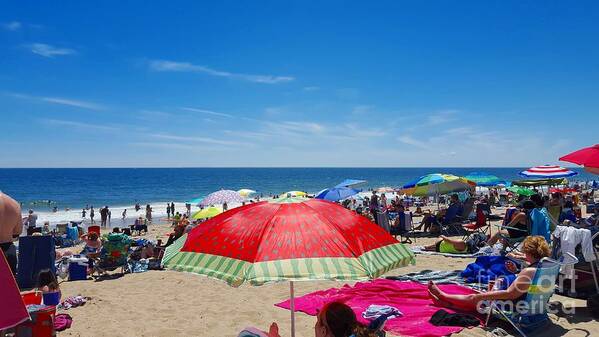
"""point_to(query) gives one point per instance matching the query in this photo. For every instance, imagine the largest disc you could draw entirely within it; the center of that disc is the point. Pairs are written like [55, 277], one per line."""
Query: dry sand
[167, 303]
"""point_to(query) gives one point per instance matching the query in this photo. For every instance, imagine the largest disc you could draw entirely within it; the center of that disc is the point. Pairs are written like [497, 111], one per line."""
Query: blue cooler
[78, 268]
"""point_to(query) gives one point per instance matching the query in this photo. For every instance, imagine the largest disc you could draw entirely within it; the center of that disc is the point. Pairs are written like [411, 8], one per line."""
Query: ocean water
[75, 188]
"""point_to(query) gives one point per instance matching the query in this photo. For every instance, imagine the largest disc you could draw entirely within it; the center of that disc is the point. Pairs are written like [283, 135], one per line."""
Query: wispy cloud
[193, 139]
[163, 65]
[409, 140]
[362, 109]
[441, 117]
[150, 115]
[12, 26]
[60, 100]
[77, 125]
[47, 50]
[208, 112]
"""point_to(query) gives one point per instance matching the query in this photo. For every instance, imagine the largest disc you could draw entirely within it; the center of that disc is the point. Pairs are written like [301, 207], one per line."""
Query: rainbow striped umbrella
[437, 184]
[295, 239]
[548, 171]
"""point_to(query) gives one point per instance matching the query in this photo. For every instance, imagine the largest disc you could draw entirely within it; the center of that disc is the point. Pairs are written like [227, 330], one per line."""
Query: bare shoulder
[9, 205]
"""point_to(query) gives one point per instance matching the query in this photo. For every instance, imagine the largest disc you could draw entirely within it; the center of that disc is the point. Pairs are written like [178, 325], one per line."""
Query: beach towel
[411, 298]
[12, 310]
[62, 322]
[35, 253]
[541, 223]
[439, 277]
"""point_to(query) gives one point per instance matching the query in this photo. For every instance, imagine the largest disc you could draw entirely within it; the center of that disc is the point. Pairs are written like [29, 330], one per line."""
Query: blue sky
[282, 83]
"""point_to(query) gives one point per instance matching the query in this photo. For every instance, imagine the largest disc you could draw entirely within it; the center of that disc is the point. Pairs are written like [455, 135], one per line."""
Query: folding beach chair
[452, 221]
[114, 254]
[404, 227]
[35, 253]
[95, 229]
[533, 313]
[582, 272]
[481, 225]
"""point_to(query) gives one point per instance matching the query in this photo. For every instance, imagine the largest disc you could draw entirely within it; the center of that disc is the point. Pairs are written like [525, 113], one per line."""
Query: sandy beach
[168, 303]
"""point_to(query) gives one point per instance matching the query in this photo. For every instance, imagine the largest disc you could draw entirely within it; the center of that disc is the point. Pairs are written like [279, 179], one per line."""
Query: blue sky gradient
[392, 83]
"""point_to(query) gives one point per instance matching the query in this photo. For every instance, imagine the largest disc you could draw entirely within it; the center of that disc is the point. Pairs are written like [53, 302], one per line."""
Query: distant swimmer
[83, 213]
[55, 209]
[137, 207]
[168, 211]
[91, 213]
[124, 213]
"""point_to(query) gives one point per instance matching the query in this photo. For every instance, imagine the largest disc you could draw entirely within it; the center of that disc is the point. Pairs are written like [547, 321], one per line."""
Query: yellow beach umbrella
[206, 213]
[296, 194]
[246, 192]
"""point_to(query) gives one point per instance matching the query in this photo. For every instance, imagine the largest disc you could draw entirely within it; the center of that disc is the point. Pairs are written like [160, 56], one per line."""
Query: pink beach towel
[12, 310]
[411, 298]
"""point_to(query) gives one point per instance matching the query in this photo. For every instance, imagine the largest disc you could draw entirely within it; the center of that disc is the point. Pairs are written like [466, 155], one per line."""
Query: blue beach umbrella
[351, 183]
[337, 193]
[484, 179]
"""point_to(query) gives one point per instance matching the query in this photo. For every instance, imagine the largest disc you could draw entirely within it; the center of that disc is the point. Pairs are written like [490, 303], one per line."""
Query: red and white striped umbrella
[548, 171]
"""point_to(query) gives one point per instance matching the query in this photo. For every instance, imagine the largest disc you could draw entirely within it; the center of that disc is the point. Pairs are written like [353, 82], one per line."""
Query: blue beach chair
[532, 313]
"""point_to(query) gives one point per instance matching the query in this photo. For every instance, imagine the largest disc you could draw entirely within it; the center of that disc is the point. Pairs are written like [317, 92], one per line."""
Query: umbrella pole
[292, 308]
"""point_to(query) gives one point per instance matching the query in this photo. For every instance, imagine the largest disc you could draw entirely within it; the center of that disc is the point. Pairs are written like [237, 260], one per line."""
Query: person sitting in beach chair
[336, 319]
[535, 248]
[517, 228]
[176, 234]
[140, 225]
[114, 254]
[434, 223]
[93, 244]
[524, 302]
[567, 213]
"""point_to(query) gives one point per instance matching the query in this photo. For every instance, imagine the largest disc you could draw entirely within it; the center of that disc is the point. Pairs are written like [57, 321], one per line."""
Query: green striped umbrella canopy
[287, 239]
[437, 184]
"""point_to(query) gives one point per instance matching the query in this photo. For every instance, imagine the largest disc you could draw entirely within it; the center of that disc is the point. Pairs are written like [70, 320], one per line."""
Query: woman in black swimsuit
[518, 227]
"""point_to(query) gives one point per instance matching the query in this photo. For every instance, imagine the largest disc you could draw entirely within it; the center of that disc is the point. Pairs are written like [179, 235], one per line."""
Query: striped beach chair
[533, 313]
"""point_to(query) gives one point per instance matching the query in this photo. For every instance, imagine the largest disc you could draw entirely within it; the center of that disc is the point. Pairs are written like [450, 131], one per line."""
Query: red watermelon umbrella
[288, 239]
[587, 157]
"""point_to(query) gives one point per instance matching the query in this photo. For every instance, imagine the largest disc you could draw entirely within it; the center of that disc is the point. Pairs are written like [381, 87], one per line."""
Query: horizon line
[267, 167]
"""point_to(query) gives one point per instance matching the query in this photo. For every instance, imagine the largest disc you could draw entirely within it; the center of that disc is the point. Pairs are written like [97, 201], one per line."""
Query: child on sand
[48, 285]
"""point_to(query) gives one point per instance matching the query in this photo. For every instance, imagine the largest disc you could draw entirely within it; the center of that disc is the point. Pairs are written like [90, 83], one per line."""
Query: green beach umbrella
[521, 191]
[291, 239]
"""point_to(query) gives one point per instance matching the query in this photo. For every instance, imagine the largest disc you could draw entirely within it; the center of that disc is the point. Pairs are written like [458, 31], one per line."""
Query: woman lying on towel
[334, 320]
[534, 248]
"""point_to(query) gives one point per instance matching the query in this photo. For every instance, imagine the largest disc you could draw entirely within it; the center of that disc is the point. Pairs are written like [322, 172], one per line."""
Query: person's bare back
[10, 218]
